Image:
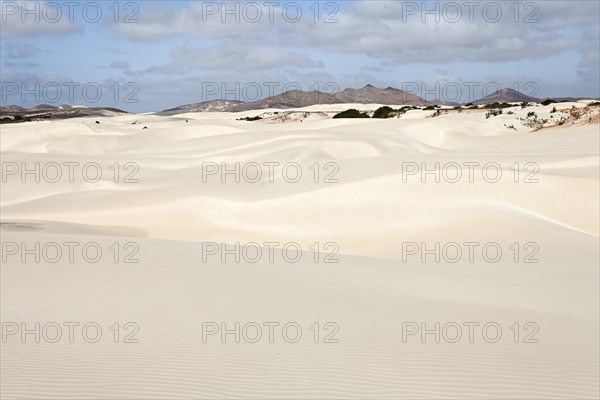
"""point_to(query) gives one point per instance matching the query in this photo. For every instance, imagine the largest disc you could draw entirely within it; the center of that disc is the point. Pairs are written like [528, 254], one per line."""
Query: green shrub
[383, 112]
[407, 108]
[532, 121]
[497, 105]
[493, 113]
[14, 119]
[351, 113]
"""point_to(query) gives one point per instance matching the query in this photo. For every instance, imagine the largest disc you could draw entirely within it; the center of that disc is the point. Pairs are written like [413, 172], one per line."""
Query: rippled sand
[364, 211]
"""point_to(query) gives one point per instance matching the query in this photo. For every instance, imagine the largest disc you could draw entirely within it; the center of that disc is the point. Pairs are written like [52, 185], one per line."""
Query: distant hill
[389, 96]
[207, 106]
[366, 95]
[42, 112]
[506, 95]
[11, 109]
[298, 99]
[289, 99]
[571, 99]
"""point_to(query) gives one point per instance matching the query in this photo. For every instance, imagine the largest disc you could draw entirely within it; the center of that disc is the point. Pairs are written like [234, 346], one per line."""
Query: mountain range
[48, 112]
[369, 94]
[297, 99]
[366, 95]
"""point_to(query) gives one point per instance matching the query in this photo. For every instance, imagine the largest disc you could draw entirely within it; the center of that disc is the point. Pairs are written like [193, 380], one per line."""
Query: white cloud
[35, 18]
[119, 64]
[19, 50]
[240, 57]
[386, 30]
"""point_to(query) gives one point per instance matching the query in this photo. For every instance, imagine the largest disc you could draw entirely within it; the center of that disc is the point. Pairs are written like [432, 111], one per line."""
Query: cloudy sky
[148, 56]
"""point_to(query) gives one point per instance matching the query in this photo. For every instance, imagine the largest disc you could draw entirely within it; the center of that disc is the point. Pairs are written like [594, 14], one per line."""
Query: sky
[144, 56]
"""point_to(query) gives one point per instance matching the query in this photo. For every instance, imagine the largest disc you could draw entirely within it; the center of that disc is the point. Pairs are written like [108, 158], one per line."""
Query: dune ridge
[376, 206]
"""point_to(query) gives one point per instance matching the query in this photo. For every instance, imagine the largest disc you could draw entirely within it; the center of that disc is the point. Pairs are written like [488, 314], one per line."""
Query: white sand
[369, 293]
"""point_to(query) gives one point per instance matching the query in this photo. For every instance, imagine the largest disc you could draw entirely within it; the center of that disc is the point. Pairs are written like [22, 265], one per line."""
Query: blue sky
[167, 52]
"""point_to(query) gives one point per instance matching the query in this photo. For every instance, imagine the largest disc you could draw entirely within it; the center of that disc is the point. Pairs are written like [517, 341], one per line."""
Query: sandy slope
[371, 293]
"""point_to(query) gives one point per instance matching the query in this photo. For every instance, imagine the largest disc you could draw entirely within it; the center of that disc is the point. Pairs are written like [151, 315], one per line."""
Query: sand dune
[367, 203]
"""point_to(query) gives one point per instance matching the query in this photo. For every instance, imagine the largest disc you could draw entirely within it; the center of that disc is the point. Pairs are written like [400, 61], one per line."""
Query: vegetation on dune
[497, 105]
[8, 120]
[351, 113]
[257, 118]
[19, 118]
[406, 108]
[383, 112]
[533, 121]
[493, 113]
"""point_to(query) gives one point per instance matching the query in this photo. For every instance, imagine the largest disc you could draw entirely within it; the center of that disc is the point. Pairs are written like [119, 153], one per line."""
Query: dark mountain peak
[506, 95]
[43, 107]
[12, 108]
[368, 94]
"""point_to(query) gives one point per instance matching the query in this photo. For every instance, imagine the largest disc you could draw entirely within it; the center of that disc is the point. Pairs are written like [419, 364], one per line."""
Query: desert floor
[391, 296]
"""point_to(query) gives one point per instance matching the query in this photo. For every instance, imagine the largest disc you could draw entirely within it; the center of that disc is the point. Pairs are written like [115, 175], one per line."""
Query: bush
[493, 113]
[351, 113]
[383, 112]
[547, 102]
[497, 105]
[15, 119]
[250, 119]
[407, 108]
[532, 121]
